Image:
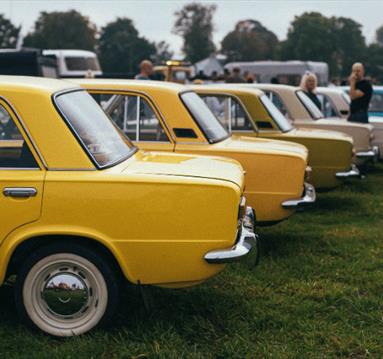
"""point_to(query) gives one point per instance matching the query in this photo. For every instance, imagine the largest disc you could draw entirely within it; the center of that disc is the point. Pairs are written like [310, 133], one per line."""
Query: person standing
[146, 70]
[236, 77]
[308, 85]
[360, 94]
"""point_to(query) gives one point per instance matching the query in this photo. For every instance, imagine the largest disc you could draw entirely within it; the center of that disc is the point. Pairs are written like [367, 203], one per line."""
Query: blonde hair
[308, 75]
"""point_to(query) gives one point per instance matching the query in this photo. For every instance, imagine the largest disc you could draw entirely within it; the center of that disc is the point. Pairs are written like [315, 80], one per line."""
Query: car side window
[277, 101]
[327, 106]
[14, 151]
[229, 112]
[134, 116]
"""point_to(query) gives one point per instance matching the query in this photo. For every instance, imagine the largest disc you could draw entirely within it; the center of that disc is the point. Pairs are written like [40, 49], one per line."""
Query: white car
[336, 104]
[303, 113]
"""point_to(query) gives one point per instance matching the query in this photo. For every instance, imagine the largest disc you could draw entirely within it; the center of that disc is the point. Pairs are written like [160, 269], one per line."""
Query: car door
[21, 178]
[137, 118]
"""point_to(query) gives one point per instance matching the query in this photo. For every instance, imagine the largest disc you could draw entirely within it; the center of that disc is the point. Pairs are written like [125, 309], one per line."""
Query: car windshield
[282, 122]
[376, 104]
[105, 144]
[310, 106]
[205, 119]
[82, 63]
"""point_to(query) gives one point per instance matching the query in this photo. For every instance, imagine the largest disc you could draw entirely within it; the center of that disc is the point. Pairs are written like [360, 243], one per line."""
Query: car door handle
[19, 191]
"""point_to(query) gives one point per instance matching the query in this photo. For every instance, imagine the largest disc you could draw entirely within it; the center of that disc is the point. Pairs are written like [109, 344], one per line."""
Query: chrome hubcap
[66, 294]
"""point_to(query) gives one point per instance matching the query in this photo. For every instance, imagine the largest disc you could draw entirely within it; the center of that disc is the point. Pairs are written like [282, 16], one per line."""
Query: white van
[75, 63]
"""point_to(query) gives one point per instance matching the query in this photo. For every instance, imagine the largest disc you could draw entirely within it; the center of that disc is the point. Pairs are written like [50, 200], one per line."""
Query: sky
[154, 19]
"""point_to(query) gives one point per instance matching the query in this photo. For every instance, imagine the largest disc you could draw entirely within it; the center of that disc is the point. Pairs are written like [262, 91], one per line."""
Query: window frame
[332, 103]
[150, 102]
[74, 132]
[243, 107]
[19, 123]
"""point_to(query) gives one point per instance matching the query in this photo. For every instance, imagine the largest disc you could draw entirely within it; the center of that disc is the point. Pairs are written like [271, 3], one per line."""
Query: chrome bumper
[373, 154]
[352, 173]
[246, 241]
[309, 197]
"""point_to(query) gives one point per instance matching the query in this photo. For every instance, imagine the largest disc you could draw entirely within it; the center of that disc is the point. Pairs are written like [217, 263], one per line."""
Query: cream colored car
[335, 105]
[303, 113]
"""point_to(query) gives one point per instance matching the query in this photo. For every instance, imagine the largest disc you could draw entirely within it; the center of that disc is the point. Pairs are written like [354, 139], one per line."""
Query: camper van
[282, 72]
[75, 63]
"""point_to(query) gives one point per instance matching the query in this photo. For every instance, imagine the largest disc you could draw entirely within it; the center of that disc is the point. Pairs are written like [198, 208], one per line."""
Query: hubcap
[65, 294]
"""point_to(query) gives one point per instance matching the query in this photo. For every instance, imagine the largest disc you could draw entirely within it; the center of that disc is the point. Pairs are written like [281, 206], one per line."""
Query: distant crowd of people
[360, 87]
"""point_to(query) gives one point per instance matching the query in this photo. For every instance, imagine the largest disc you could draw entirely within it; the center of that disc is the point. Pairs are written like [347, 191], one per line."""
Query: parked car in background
[75, 63]
[249, 112]
[376, 104]
[282, 72]
[173, 71]
[169, 117]
[336, 103]
[82, 208]
[27, 62]
[303, 113]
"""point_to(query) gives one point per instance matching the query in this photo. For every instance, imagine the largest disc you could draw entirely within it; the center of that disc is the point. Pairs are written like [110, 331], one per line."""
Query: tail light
[242, 208]
[308, 172]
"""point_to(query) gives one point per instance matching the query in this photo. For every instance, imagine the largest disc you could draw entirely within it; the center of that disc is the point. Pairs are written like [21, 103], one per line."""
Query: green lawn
[317, 293]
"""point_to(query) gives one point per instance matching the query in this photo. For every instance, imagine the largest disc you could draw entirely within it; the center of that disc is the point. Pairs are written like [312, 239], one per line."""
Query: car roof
[336, 90]
[138, 85]
[227, 88]
[265, 86]
[33, 84]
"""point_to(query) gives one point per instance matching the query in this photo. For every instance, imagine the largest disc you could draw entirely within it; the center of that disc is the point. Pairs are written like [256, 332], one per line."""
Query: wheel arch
[20, 251]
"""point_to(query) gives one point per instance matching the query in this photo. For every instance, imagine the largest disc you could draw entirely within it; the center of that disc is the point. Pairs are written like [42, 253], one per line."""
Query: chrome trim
[373, 153]
[246, 241]
[308, 197]
[19, 192]
[352, 173]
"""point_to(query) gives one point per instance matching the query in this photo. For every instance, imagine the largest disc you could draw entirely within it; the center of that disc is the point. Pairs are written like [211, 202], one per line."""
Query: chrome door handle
[19, 191]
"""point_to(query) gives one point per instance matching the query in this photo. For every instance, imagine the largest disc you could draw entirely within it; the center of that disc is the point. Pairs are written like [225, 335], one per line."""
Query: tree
[163, 52]
[379, 35]
[194, 22]
[350, 45]
[337, 41]
[309, 37]
[249, 41]
[62, 30]
[9, 33]
[121, 49]
[374, 62]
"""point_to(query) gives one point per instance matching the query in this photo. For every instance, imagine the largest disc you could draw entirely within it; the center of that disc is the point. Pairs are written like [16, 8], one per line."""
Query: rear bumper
[308, 197]
[247, 240]
[352, 173]
[372, 154]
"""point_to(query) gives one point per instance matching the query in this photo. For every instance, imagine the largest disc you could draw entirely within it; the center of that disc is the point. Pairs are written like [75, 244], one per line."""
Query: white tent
[208, 65]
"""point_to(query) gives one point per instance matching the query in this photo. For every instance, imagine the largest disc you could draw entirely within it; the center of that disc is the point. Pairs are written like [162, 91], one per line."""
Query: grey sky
[154, 18]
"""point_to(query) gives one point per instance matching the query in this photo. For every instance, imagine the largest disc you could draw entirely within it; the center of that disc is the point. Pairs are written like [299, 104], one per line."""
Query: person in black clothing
[308, 85]
[360, 94]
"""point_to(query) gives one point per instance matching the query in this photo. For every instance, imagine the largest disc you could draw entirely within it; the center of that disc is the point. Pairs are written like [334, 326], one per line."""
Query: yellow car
[81, 208]
[170, 117]
[249, 112]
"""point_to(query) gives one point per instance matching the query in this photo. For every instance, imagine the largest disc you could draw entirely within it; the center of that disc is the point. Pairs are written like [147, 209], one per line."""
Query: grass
[317, 293]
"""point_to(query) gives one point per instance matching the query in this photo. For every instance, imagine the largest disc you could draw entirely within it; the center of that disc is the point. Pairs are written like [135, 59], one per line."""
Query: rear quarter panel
[157, 227]
[270, 178]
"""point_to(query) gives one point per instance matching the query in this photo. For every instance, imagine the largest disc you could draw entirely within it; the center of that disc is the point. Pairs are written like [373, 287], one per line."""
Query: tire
[65, 289]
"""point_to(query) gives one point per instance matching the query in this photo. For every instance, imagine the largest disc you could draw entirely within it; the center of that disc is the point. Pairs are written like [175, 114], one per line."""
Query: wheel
[65, 290]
